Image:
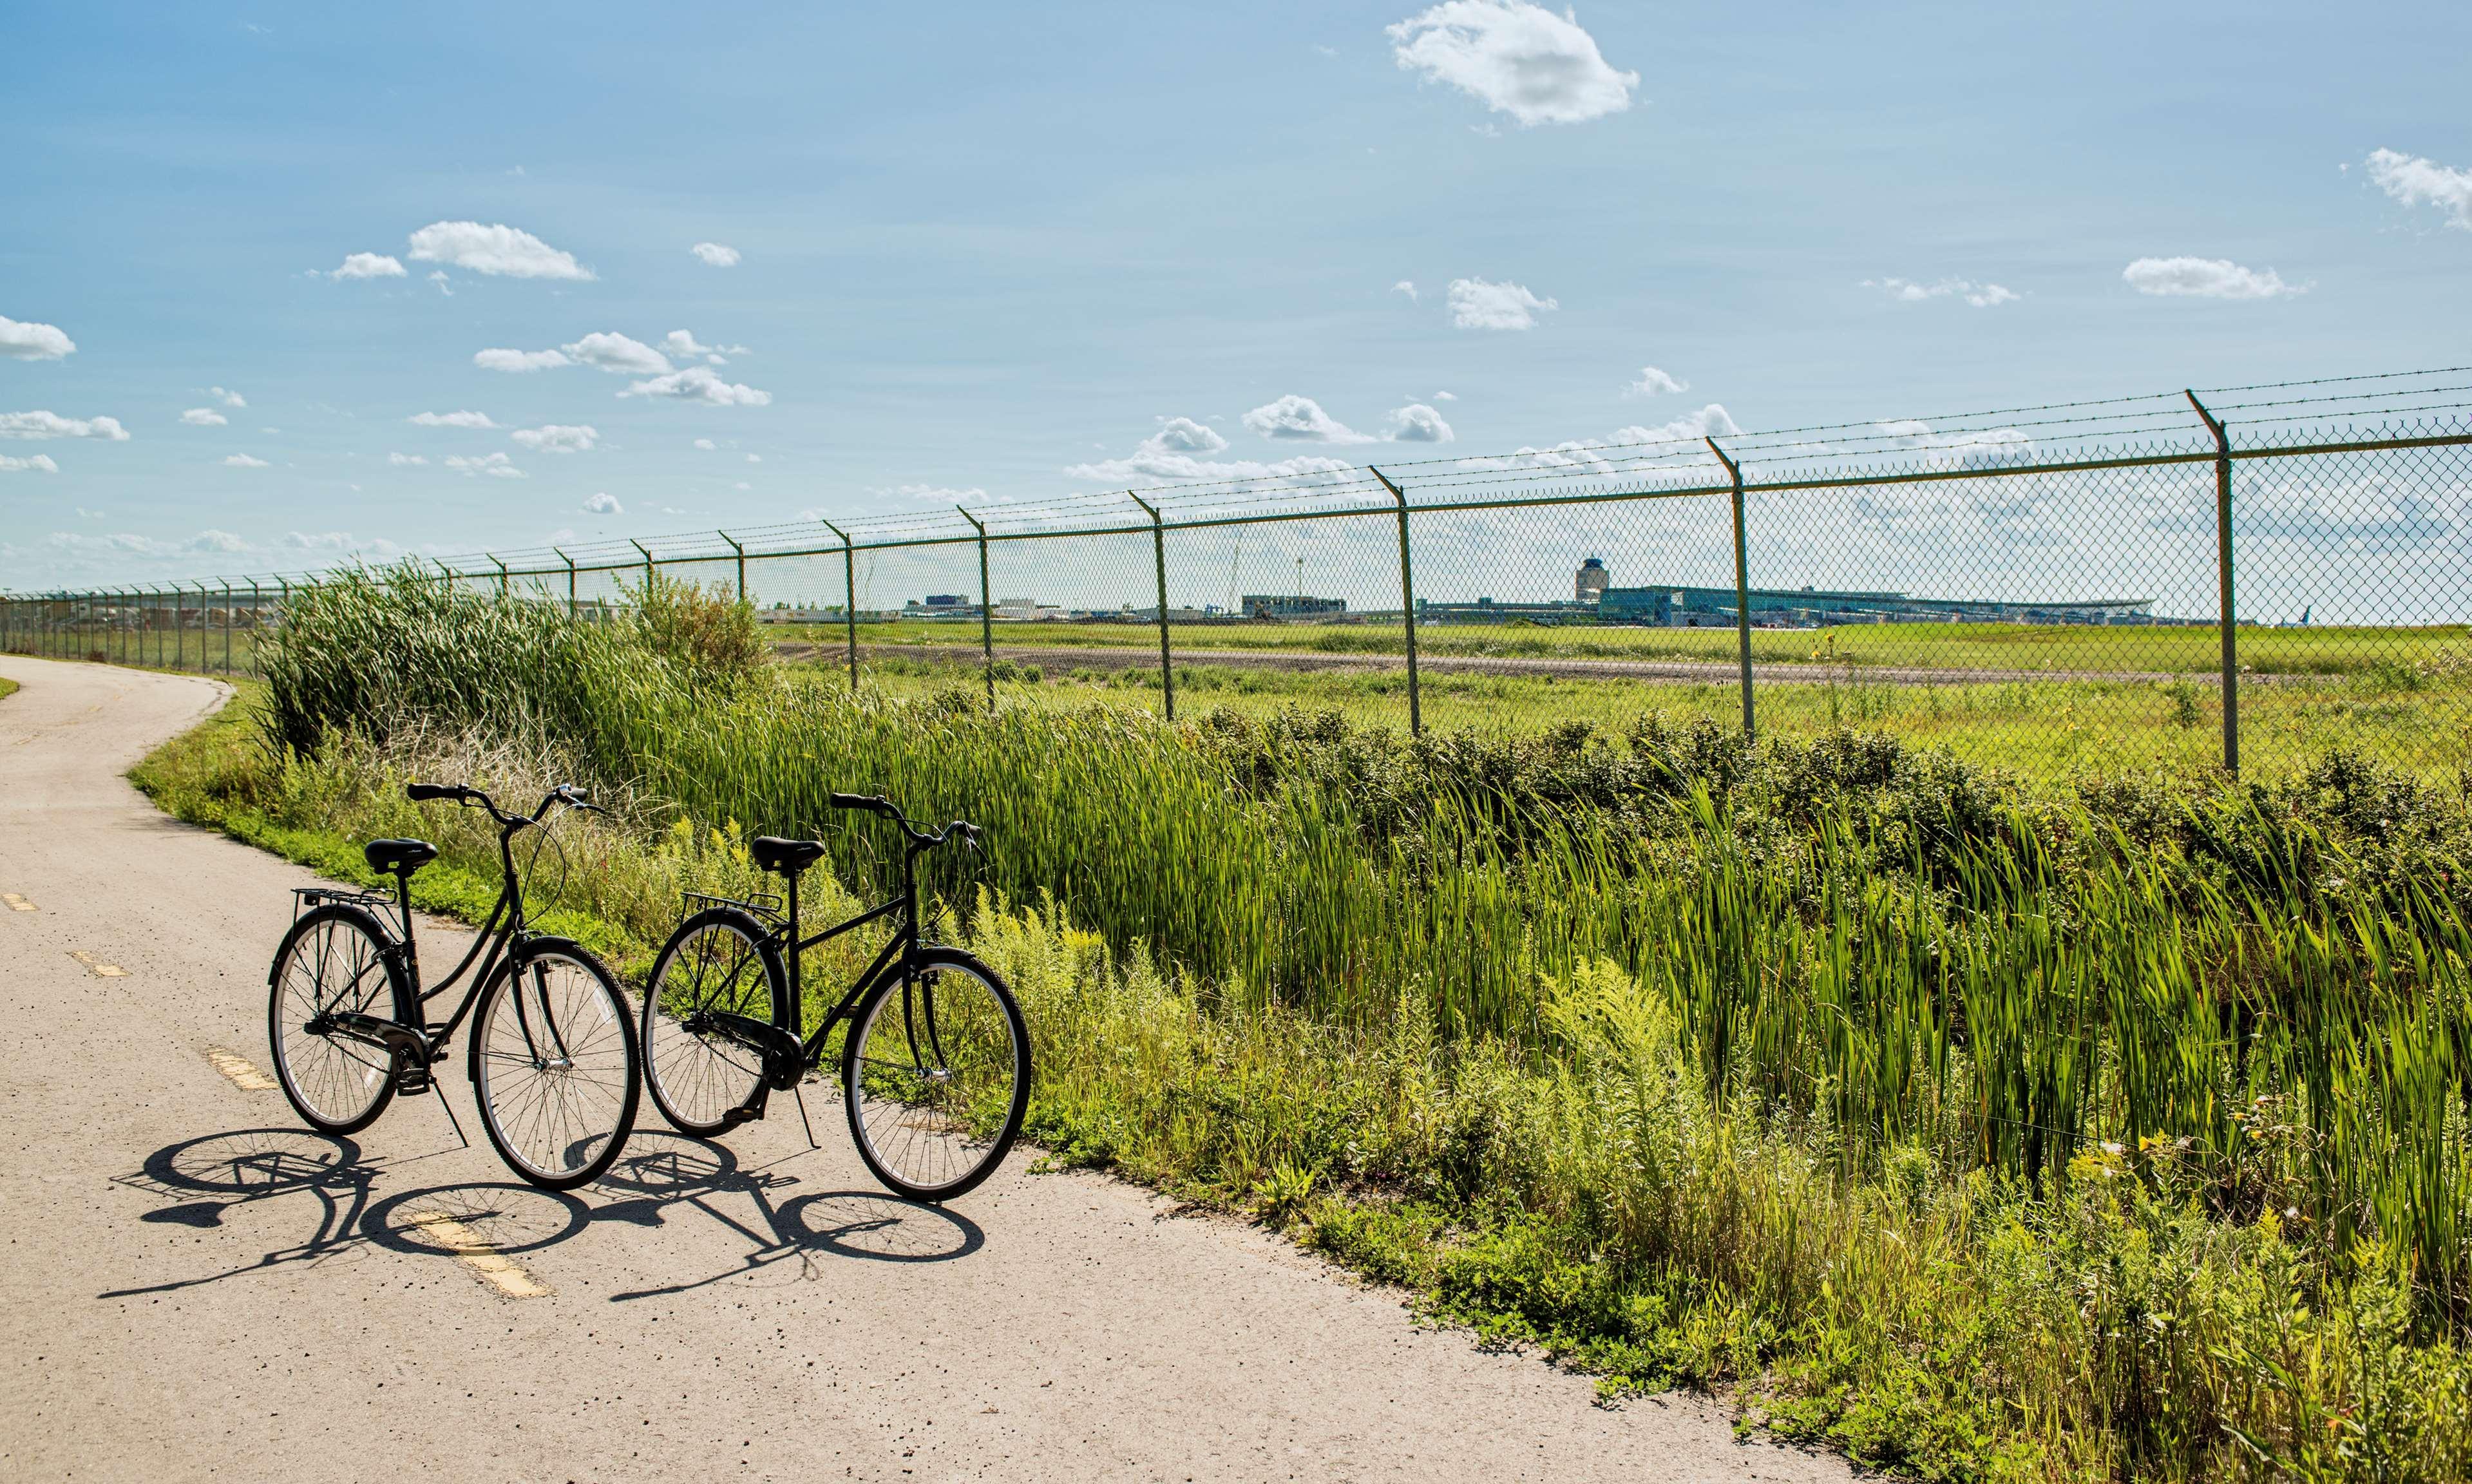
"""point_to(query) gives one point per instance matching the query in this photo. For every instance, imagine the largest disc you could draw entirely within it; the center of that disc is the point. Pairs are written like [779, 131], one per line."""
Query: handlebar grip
[423, 793]
[872, 803]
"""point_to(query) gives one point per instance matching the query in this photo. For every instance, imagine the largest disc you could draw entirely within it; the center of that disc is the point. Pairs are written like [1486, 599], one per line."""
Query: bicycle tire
[321, 1089]
[695, 1080]
[922, 1118]
[569, 1143]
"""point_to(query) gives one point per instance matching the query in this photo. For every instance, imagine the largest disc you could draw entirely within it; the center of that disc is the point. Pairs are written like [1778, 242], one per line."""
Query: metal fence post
[1407, 604]
[256, 629]
[1158, 555]
[850, 600]
[2224, 582]
[1741, 583]
[986, 609]
[741, 564]
[228, 605]
[648, 566]
[502, 578]
[570, 582]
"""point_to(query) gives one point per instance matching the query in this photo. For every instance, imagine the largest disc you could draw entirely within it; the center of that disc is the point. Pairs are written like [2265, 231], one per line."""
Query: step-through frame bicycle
[758, 946]
[341, 1062]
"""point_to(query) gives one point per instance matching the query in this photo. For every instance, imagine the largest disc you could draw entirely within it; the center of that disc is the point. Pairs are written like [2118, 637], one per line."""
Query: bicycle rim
[554, 1068]
[718, 966]
[332, 967]
[936, 1074]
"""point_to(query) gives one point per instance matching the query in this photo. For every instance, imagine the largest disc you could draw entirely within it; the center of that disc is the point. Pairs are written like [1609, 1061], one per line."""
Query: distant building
[1593, 577]
[1811, 607]
[946, 600]
[1263, 605]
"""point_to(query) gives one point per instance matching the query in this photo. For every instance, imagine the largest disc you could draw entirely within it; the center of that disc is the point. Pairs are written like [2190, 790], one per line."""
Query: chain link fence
[2251, 577]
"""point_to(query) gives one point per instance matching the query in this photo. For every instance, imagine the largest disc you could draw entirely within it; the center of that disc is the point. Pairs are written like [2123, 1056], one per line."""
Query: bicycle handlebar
[566, 793]
[877, 803]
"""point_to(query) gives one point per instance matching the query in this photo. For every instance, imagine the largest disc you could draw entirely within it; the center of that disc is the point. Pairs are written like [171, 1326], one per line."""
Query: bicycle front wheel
[552, 1064]
[936, 1074]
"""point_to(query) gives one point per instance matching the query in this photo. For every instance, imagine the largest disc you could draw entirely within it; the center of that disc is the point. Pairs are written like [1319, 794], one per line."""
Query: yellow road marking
[16, 903]
[100, 968]
[232, 1064]
[504, 1273]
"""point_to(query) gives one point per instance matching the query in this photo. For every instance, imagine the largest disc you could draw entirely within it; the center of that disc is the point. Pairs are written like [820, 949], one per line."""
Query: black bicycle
[552, 1055]
[936, 1060]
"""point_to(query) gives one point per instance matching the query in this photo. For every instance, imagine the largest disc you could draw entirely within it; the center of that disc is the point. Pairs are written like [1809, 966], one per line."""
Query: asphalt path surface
[195, 1287]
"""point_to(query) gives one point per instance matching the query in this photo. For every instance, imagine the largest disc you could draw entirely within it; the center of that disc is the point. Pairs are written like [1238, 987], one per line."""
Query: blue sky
[999, 249]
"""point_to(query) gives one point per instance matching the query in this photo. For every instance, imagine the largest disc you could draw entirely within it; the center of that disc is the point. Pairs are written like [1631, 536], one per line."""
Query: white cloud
[697, 384]
[1406, 286]
[466, 419]
[336, 544]
[604, 504]
[519, 360]
[495, 464]
[1302, 419]
[1982, 296]
[2411, 181]
[1517, 59]
[1150, 465]
[500, 250]
[741, 485]
[1183, 435]
[1446, 397]
[755, 458]
[405, 460]
[226, 397]
[716, 255]
[24, 341]
[555, 439]
[1479, 305]
[1602, 458]
[204, 417]
[616, 353]
[216, 540]
[2206, 278]
[1418, 423]
[681, 344]
[1652, 382]
[369, 265]
[242, 461]
[938, 494]
[705, 443]
[51, 424]
[41, 464]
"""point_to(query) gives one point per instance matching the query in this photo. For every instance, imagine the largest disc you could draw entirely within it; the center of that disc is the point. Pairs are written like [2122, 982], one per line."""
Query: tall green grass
[2259, 994]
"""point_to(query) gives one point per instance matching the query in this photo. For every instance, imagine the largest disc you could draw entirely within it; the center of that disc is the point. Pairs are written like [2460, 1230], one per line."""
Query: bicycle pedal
[414, 1081]
[738, 1115]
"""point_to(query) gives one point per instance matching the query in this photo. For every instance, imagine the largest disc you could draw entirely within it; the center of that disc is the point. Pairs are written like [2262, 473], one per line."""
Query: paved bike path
[192, 1287]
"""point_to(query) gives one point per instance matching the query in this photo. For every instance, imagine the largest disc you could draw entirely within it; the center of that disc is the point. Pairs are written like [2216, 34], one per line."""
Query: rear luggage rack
[308, 897]
[764, 904]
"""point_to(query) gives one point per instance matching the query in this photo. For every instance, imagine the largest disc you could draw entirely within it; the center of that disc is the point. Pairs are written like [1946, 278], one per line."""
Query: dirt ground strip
[196, 1287]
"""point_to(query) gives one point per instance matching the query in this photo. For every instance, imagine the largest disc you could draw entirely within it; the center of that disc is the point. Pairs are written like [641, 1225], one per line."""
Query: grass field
[2017, 647]
[2049, 731]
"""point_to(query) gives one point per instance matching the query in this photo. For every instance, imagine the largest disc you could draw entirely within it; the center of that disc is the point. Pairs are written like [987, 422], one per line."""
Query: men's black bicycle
[552, 1055]
[935, 1059]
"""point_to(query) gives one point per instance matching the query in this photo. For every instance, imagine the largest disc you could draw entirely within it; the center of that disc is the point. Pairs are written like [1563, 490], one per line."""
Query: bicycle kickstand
[801, 1097]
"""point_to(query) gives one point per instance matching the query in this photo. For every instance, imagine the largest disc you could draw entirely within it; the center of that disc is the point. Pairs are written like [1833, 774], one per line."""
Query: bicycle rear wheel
[936, 1074]
[552, 1064]
[332, 962]
[718, 962]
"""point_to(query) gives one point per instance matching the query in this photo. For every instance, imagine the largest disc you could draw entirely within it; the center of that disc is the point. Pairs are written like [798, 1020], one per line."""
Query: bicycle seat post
[797, 999]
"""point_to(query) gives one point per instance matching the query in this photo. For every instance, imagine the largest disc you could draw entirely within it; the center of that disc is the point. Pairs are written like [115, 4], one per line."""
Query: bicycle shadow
[208, 1176]
[668, 1173]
